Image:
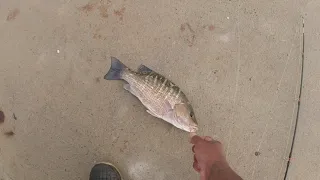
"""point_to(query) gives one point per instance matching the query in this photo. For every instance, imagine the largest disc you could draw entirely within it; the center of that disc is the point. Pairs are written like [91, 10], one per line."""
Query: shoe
[105, 171]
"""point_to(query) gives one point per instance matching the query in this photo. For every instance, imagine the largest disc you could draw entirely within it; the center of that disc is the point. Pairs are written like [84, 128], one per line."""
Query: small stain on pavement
[211, 27]
[92, 5]
[182, 27]
[257, 153]
[9, 133]
[1, 117]
[14, 116]
[13, 14]
[189, 27]
[189, 36]
[103, 11]
[191, 42]
[125, 146]
[97, 79]
[97, 36]
[88, 7]
[119, 13]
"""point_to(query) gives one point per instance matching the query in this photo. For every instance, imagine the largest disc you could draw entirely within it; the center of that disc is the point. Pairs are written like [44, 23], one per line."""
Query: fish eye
[191, 114]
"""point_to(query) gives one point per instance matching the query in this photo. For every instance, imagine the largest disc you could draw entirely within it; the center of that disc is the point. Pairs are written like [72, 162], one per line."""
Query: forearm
[222, 171]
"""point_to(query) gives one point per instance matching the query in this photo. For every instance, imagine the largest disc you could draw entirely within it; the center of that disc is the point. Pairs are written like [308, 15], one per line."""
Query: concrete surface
[306, 149]
[237, 61]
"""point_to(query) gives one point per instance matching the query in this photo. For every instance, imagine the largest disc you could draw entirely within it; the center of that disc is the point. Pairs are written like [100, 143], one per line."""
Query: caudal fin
[115, 70]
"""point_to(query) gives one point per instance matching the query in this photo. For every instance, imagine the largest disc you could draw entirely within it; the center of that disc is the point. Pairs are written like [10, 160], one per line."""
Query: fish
[162, 98]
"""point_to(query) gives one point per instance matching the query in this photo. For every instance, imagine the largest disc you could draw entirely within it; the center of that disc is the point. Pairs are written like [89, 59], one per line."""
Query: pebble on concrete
[257, 153]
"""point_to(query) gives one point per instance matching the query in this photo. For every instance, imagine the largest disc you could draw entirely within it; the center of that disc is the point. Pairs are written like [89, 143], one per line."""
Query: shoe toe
[104, 172]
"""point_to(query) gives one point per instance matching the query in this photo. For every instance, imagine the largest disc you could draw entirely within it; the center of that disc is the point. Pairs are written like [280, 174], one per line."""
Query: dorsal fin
[143, 68]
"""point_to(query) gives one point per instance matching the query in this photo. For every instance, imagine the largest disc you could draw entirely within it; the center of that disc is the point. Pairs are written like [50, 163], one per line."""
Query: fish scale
[162, 98]
[145, 90]
[151, 94]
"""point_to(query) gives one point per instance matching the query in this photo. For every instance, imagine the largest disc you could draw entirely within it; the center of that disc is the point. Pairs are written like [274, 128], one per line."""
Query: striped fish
[162, 98]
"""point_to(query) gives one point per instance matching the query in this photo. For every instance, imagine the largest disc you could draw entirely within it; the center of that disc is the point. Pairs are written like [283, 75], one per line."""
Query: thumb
[196, 139]
[204, 173]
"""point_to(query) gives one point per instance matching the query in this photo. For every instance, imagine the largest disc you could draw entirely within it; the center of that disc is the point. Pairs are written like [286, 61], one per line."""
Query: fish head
[185, 117]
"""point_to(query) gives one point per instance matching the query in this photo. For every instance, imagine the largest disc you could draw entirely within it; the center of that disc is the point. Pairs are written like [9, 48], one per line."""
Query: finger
[196, 167]
[208, 138]
[218, 142]
[193, 148]
[204, 172]
[203, 175]
[196, 139]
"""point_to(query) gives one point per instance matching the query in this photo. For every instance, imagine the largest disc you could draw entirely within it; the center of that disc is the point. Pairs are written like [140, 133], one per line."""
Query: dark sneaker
[104, 171]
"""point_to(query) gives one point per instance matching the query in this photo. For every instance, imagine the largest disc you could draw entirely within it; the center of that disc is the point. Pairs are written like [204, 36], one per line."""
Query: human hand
[208, 153]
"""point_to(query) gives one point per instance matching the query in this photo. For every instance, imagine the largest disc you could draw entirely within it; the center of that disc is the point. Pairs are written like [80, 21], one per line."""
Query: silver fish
[160, 96]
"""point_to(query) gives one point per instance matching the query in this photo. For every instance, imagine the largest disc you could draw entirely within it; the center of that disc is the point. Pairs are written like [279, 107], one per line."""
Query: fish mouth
[193, 128]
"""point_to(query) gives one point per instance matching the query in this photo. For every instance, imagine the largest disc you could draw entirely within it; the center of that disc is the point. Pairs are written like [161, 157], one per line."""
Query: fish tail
[116, 69]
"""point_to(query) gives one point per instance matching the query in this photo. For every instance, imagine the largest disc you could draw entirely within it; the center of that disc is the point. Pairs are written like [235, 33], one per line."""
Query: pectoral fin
[126, 87]
[169, 116]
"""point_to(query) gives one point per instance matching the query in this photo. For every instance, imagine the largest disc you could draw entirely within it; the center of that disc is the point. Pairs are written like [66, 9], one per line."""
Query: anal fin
[153, 114]
[126, 87]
